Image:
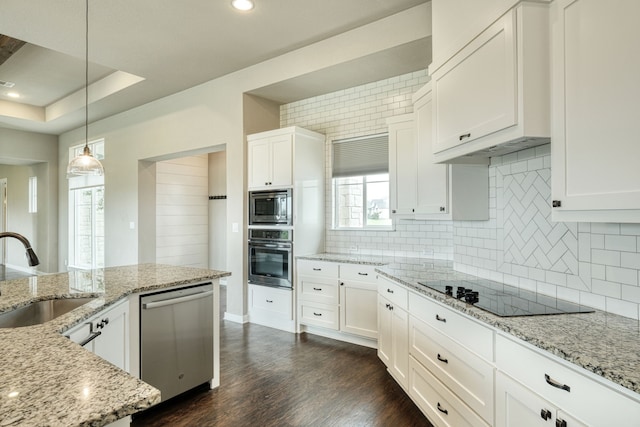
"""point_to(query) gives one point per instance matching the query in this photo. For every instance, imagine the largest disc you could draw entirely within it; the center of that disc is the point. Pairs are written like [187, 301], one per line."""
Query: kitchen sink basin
[40, 312]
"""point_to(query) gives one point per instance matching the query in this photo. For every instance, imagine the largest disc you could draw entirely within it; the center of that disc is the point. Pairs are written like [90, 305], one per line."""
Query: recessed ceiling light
[13, 95]
[243, 5]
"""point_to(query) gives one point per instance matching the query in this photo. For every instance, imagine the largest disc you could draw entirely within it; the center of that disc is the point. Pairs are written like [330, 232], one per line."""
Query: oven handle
[283, 246]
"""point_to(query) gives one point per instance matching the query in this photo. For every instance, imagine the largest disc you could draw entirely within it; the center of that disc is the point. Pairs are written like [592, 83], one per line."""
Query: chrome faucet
[32, 258]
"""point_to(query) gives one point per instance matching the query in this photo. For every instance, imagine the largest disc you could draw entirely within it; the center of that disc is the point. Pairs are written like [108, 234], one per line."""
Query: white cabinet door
[475, 94]
[259, 163]
[495, 90]
[384, 331]
[358, 308]
[270, 162]
[281, 160]
[113, 344]
[516, 405]
[595, 148]
[402, 165]
[432, 178]
[400, 345]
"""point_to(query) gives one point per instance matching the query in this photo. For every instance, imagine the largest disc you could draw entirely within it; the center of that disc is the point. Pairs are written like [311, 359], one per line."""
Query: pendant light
[85, 164]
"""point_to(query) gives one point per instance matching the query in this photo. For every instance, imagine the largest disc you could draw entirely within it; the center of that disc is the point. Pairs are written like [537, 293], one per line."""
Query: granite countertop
[603, 343]
[47, 380]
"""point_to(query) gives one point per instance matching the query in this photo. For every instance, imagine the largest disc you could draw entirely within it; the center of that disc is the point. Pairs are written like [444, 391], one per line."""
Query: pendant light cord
[86, 76]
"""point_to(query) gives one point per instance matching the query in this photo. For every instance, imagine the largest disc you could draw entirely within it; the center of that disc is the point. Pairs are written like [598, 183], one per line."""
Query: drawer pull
[556, 384]
[545, 414]
[441, 409]
[440, 358]
[389, 290]
[464, 136]
[441, 319]
[317, 289]
[317, 269]
[363, 274]
[317, 314]
[560, 423]
[390, 307]
[269, 301]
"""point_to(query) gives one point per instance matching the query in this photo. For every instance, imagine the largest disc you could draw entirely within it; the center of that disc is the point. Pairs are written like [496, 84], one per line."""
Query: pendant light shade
[85, 164]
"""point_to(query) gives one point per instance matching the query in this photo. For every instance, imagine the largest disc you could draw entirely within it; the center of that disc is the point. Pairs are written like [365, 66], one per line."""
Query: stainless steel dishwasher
[176, 338]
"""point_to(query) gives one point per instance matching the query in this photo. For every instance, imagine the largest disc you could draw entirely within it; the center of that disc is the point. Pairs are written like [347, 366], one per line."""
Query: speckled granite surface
[603, 343]
[47, 380]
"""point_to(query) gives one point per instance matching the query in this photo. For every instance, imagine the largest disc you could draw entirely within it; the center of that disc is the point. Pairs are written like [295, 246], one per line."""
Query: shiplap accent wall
[358, 111]
[182, 211]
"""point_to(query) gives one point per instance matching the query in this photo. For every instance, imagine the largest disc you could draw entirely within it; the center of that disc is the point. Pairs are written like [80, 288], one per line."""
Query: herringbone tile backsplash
[591, 263]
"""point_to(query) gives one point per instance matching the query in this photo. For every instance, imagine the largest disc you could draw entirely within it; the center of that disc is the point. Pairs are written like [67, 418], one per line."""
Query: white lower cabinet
[437, 402]
[571, 393]
[393, 330]
[338, 297]
[519, 406]
[106, 334]
[462, 372]
[272, 307]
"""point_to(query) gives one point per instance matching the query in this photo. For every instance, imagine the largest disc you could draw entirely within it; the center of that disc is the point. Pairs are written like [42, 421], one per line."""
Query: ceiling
[142, 50]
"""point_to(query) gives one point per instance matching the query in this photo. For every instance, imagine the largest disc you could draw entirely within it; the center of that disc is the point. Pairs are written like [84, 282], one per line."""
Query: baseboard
[340, 336]
[235, 318]
[272, 321]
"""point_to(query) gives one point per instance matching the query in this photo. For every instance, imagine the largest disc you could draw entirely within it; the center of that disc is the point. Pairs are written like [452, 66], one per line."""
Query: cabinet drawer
[319, 315]
[272, 299]
[464, 330]
[365, 273]
[318, 289]
[395, 293]
[464, 373]
[587, 398]
[317, 268]
[441, 406]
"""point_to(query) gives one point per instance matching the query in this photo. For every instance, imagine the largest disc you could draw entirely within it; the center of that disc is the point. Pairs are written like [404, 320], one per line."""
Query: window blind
[366, 155]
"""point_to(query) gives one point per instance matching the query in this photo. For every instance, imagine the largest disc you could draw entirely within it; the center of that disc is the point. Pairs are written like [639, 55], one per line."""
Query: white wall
[204, 118]
[40, 153]
[182, 216]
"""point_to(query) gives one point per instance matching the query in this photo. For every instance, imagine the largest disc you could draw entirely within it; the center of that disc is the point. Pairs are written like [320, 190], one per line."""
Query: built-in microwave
[271, 207]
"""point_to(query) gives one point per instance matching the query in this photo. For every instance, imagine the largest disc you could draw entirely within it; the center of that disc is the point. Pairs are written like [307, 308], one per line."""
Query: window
[361, 183]
[86, 214]
[33, 194]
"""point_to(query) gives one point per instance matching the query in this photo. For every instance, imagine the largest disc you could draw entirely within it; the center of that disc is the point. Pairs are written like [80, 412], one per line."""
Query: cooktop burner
[504, 300]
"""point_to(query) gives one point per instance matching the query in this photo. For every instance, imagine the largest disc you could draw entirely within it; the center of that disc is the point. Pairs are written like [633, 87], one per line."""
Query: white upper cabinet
[595, 148]
[270, 161]
[484, 103]
[460, 21]
[422, 189]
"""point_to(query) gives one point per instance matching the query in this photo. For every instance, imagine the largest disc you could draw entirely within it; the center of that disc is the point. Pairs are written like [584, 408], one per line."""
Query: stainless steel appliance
[271, 207]
[176, 338]
[271, 257]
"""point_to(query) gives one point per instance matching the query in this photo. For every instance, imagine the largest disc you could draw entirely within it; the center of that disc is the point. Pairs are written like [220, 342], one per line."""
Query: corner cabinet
[422, 189]
[338, 300]
[483, 98]
[595, 145]
[275, 157]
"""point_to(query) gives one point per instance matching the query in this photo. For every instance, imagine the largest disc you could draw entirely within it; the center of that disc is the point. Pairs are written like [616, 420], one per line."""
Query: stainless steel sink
[40, 312]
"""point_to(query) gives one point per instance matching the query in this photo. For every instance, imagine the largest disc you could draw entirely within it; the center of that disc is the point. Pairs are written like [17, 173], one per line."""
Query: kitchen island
[47, 380]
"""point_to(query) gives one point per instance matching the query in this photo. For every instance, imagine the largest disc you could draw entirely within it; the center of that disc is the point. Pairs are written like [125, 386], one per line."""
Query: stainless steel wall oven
[271, 257]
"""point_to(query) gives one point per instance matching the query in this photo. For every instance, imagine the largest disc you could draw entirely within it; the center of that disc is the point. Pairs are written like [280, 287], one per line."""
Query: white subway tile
[630, 293]
[593, 300]
[603, 287]
[599, 256]
[623, 308]
[626, 276]
[605, 228]
[620, 243]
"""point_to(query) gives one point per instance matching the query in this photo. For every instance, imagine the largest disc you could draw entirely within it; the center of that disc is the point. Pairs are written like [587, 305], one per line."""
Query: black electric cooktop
[504, 300]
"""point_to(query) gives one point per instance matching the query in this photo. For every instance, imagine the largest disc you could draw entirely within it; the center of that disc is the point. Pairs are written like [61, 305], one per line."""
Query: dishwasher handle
[172, 301]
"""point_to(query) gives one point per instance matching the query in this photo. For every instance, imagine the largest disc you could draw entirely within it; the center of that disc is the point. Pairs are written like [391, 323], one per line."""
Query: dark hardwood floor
[274, 378]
